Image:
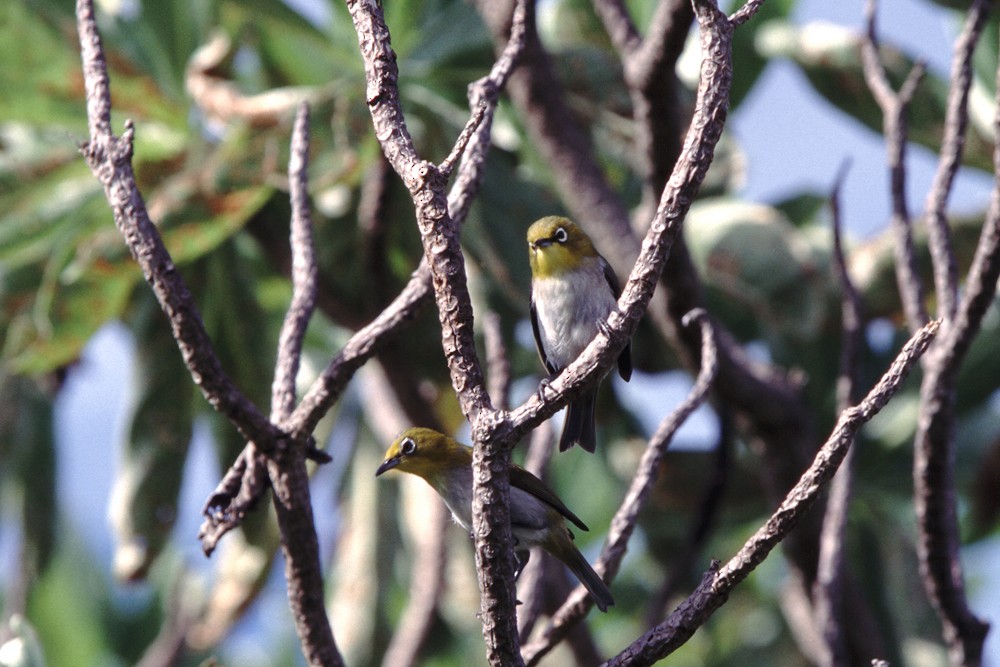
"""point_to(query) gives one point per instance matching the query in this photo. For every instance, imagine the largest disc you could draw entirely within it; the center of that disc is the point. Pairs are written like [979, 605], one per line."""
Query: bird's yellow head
[557, 245]
[425, 452]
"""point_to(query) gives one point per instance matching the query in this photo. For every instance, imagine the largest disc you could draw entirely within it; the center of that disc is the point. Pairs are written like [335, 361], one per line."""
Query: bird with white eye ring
[573, 291]
[537, 516]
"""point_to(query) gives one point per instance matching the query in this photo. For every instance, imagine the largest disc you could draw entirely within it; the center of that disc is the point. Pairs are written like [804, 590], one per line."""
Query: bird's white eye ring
[407, 446]
[560, 236]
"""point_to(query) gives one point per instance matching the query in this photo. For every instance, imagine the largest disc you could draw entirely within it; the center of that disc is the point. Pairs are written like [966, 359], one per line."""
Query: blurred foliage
[217, 191]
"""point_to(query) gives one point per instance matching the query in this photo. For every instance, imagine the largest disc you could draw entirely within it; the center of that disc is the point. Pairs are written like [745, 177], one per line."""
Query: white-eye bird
[537, 516]
[573, 290]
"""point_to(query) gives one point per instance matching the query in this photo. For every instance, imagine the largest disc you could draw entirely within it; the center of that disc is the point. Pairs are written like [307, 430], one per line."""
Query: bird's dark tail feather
[579, 426]
[599, 591]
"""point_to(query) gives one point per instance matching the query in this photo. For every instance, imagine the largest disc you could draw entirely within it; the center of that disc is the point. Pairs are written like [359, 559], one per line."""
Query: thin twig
[717, 585]
[894, 110]
[828, 595]
[711, 501]
[624, 521]
[950, 158]
[287, 467]
[470, 129]
[303, 303]
[110, 158]
[497, 362]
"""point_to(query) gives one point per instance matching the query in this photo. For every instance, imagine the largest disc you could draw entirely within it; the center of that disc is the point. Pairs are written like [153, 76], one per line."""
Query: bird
[573, 291]
[537, 516]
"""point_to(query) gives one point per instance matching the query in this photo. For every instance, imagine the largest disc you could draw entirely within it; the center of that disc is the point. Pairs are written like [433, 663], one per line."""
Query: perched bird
[573, 290]
[536, 514]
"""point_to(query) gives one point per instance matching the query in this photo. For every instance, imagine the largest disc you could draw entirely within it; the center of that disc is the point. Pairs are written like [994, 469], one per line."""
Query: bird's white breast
[568, 308]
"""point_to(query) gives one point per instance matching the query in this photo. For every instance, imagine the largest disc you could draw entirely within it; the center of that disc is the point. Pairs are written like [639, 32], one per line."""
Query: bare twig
[894, 109]
[468, 132]
[110, 158]
[293, 330]
[952, 147]
[287, 468]
[716, 586]
[711, 500]
[746, 12]
[623, 523]
[828, 591]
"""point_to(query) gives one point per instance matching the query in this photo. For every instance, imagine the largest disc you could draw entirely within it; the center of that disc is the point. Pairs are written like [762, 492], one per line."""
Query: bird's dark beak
[388, 464]
[541, 243]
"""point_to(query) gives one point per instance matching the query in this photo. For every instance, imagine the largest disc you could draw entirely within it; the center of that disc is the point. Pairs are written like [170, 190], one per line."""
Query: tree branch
[717, 584]
[933, 465]
[293, 329]
[440, 237]
[110, 158]
[952, 146]
[894, 110]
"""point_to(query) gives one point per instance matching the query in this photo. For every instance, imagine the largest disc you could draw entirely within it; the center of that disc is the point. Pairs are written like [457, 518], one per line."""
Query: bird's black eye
[560, 236]
[407, 446]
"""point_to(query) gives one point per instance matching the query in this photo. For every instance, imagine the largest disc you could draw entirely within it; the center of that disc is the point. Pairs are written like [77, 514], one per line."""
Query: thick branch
[933, 466]
[440, 236]
[110, 159]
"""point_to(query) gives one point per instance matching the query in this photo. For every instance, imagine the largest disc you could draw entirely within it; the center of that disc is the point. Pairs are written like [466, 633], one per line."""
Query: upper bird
[573, 290]
[537, 516]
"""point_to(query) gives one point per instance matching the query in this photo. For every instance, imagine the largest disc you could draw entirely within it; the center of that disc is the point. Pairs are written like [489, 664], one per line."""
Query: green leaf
[759, 268]
[143, 504]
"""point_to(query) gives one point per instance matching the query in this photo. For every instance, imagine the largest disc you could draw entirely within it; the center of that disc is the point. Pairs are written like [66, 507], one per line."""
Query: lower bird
[537, 516]
[573, 290]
